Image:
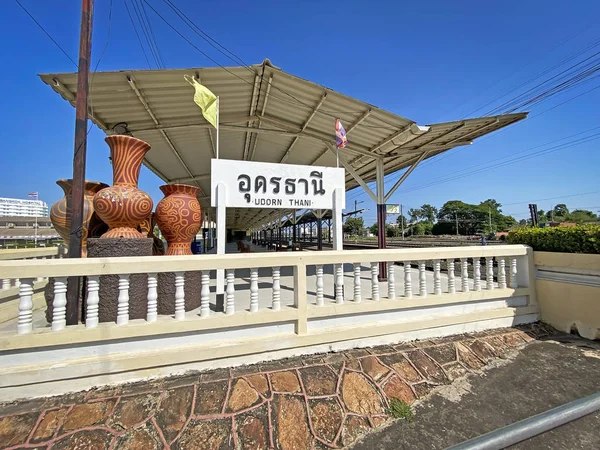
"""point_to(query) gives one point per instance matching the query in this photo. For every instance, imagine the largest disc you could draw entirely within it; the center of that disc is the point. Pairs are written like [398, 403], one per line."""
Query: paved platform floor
[317, 402]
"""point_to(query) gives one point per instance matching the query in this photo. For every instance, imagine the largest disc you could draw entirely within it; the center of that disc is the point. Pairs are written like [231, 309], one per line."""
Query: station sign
[392, 209]
[250, 184]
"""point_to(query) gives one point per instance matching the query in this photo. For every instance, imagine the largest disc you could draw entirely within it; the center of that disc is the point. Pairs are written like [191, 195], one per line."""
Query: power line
[146, 34]
[47, 34]
[151, 34]
[551, 198]
[137, 34]
[296, 102]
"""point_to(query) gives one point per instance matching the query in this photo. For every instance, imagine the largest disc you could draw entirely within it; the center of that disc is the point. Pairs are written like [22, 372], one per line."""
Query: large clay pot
[60, 213]
[123, 206]
[178, 216]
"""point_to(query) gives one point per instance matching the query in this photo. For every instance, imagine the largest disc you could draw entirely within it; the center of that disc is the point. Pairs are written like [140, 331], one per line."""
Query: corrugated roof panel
[290, 103]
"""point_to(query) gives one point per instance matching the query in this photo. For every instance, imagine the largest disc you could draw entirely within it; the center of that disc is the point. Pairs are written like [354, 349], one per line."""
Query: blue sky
[429, 61]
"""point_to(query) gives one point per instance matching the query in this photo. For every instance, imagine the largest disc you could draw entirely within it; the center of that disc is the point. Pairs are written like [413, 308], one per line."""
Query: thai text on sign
[251, 184]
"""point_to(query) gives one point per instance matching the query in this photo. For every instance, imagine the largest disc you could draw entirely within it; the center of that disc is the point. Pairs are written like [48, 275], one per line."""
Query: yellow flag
[205, 99]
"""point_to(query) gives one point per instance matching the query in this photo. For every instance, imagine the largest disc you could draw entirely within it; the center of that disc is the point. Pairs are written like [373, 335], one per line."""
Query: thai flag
[340, 135]
[33, 195]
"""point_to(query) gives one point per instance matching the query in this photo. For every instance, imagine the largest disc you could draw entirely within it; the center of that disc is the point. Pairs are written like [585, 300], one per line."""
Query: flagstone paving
[314, 402]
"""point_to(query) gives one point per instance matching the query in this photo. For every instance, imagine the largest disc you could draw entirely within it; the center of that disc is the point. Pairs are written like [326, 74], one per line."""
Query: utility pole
[79, 156]
[402, 221]
[456, 218]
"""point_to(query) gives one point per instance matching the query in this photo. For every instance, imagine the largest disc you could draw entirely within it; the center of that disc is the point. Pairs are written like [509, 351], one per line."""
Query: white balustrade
[437, 277]
[464, 275]
[476, 274]
[123, 300]
[25, 319]
[339, 283]
[513, 273]
[93, 301]
[451, 281]
[5, 284]
[501, 273]
[407, 280]
[375, 281]
[230, 292]
[17, 282]
[152, 314]
[205, 294]
[276, 288]
[422, 280]
[320, 285]
[391, 280]
[254, 290]
[39, 278]
[489, 273]
[357, 287]
[179, 296]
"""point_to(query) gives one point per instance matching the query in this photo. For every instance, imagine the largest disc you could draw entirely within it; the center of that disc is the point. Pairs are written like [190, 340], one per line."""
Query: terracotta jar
[178, 216]
[147, 228]
[123, 206]
[60, 213]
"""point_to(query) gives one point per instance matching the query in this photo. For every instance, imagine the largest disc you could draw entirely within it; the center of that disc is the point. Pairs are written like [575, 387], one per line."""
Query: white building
[22, 208]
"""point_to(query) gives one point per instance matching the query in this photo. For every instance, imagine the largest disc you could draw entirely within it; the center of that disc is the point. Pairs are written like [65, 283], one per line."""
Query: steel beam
[262, 113]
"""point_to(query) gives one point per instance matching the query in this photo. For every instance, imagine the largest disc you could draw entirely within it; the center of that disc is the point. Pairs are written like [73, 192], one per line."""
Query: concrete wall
[568, 291]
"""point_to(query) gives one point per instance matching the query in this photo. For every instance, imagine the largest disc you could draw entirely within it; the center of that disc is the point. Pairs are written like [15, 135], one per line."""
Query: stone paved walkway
[317, 402]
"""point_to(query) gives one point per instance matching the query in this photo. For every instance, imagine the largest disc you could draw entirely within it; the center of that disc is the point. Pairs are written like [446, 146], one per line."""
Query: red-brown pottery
[178, 216]
[60, 213]
[123, 206]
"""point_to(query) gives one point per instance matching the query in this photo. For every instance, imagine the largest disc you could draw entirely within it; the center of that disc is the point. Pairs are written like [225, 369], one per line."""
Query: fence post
[300, 298]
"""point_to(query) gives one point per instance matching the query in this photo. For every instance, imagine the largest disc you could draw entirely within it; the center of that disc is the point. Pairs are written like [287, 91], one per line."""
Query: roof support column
[381, 216]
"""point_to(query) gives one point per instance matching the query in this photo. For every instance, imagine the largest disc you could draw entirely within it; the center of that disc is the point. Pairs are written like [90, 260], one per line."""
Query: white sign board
[251, 184]
[392, 209]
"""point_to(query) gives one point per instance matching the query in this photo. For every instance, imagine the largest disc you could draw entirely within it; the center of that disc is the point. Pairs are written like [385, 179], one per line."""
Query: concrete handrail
[24, 253]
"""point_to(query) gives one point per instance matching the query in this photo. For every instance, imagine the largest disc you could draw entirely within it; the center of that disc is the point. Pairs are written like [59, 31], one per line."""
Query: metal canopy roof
[265, 115]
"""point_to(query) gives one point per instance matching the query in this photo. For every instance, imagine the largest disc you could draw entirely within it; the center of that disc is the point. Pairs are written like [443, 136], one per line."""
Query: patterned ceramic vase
[123, 206]
[178, 216]
[60, 213]
[147, 228]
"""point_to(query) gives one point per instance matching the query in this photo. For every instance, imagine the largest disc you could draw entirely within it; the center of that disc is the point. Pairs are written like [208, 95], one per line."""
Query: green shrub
[579, 239]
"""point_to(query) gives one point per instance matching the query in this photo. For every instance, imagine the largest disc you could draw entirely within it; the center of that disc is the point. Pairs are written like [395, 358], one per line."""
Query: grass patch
[400, 410]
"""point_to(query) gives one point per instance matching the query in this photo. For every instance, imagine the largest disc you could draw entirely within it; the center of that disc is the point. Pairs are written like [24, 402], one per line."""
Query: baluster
[357, 288]
[451, 283]
[230, 292]
[179, 296]
[152, 314]
[254, 290]
[391, 280]
[276, 289]
[91, 312]
[25, 320]
[476, 274]
[375, 281]
[513, 273]
[339, 283]
[123, 300]
[5, 284]
[437, 277]
[422, 280]
[489, 270]
[501, 273]
[17, 282]
[407, 280]
[464, 275]
[319, 272]
[59, 304]
[205, 294]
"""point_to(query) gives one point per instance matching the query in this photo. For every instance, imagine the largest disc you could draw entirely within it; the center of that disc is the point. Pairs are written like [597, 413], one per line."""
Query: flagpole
[217, 153]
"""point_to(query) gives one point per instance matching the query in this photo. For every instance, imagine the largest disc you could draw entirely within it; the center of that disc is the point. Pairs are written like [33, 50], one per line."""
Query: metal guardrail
[533, 426]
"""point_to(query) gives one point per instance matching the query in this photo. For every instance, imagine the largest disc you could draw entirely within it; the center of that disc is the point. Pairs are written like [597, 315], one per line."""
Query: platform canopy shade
[266, 115]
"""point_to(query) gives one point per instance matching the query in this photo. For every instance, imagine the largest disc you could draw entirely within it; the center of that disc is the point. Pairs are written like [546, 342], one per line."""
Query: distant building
[17, 207]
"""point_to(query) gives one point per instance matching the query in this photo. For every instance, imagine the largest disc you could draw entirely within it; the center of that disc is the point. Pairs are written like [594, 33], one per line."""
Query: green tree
[414, 214]
[354, 225]
[560, 210]
[428, 213]
[401, 221]
[374, 229]
[392, 231]
[580, 216]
